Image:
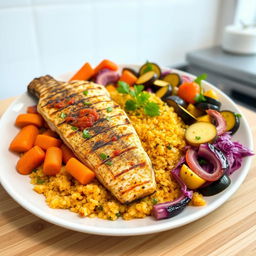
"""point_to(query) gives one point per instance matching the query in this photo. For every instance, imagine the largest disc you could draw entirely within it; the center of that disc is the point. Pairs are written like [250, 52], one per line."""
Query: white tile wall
[55, 36]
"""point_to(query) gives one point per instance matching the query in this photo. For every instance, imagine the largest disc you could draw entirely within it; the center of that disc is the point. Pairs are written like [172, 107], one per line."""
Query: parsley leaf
[149, 67]
[154, 201]
[63, 115]
[86, 134]
[74, 128]
[87, 103]
[143, 98]
[151, 109]
[130, 105]
[238, 115]
[103, 156]
[197, 137]
[123, 87]
[85, 93]
[199, 79]
[199, 98]
[109, 162]
[109, 109]
[138, 89]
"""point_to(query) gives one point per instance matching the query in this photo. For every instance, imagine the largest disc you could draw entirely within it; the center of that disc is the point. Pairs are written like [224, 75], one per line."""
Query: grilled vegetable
[84, 73]
[194, 111]
[147, 79]
[188, 91]
[205, 118]
[187, 117]
[150, 66]
[212, 101]
[232, 121]
[164, 92]
[211, 94]
[212, 155]
[132, 71]
[158, 84]
[219, 120]
[174, 101]
[170, 209]
[128, 77]
[200, 132]
[173, 79]
[192, 180]
[105, 77]
[216, 186]
[205, 105]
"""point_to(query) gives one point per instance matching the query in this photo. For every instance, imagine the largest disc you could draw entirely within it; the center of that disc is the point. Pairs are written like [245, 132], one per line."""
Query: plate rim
[141, 230]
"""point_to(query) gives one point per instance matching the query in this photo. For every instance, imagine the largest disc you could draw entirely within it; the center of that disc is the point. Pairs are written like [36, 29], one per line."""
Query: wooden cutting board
[229, 230]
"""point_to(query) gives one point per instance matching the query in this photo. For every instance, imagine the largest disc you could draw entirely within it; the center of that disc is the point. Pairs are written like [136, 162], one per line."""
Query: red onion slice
[221, 123]
[107, 77]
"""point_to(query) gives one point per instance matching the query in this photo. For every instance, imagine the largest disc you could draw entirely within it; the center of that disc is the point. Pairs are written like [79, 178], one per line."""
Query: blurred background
[39, 37]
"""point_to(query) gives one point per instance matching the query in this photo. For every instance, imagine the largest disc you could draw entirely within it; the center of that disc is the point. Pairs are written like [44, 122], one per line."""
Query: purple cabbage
[234, 151]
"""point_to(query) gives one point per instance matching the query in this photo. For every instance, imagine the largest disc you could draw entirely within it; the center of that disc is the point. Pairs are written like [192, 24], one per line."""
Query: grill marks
[134, 186]
[143, 164]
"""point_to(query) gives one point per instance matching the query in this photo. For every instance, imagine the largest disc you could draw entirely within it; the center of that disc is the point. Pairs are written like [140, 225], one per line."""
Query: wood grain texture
[228, 231]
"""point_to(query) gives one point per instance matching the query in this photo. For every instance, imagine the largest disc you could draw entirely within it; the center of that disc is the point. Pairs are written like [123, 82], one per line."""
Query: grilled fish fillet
[127, 172]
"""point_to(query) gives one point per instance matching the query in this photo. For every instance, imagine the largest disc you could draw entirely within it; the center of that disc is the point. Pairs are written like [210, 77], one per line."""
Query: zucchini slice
[164, 92]
[205, 105]
[173, 79]
[232, 121]
[150, 66]
[200, 132]
[147, 79]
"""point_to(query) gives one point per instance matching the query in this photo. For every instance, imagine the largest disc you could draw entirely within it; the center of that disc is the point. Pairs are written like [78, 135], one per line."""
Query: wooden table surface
[229, 230]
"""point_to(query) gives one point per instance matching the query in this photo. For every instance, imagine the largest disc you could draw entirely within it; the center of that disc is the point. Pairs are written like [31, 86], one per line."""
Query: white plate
[20, 189]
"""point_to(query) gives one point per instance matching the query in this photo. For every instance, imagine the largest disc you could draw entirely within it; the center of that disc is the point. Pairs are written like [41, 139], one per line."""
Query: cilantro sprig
[140, 99]
[200, 97]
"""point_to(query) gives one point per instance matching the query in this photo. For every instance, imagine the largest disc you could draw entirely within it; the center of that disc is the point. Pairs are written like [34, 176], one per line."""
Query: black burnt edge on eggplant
[177, 208]
[216, 186]
[164, 92]
[212, 101]
[205, 105]
[174, 100]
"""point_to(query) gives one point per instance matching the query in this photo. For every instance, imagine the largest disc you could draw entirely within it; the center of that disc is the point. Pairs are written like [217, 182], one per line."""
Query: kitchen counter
[229, 230]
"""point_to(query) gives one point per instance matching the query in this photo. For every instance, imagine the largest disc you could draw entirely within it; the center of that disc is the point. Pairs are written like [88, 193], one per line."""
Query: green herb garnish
[139, 99]
[154, 201]
[86, 134]
[85, 93]
[200, 97]
[109, 162]
[169, 147]
[74, 128]
[109, 109]
[197, 137]
[108, 118]
[118, 214]
[99, 208]
[103, 156]
[87, 103]
[238, 115]
[39, 181]
[63, 115]
[35, 170]
[149, 67]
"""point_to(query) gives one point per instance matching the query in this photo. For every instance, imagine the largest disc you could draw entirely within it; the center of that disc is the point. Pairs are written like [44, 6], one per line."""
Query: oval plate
[20, 189]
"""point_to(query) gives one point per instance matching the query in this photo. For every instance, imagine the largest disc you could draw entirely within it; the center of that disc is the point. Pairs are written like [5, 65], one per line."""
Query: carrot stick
[53, 161]
[66, 153]
[84, 73]
[26, 119]
[45, 141]
[106, 64]
[32, 109]
[79, 171]
[50, 133]
[25, 139]
[30, 160]
[128, 77]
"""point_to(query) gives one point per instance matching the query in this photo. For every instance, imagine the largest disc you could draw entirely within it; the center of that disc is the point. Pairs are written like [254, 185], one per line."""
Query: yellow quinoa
[162, 138]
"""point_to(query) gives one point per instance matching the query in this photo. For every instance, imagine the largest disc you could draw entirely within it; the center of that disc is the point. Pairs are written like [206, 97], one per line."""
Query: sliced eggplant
[205, 105]
[150, 66]
[158, 84]
[200, 132]
[213, 101]
[194, 111]
[173, 79]
[187, 117]
[232, 121]
[174, 101]
[216, 186]
[205, 118]
[147, 79]
[132, 71]
[164, 92]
